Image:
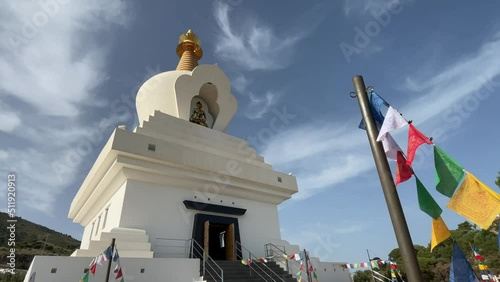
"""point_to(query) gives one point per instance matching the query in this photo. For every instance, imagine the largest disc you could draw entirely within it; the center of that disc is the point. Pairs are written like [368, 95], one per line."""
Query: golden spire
[189, 50]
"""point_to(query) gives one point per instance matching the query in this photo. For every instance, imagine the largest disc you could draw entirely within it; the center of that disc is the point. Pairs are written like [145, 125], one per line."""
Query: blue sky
[66, 67]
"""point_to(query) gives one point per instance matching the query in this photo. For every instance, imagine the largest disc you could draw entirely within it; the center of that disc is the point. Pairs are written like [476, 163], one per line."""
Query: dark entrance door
[217, 235]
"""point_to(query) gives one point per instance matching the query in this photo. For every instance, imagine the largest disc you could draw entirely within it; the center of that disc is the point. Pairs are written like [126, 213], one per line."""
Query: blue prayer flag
[460, 269]
[116, 256]
[108, 253]
[376, 103]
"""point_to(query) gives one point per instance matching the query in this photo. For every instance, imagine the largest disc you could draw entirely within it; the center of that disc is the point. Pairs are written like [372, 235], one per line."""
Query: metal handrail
[205, 257]
[270, 250]
[193, 250]
[292, 268]
[252, 259]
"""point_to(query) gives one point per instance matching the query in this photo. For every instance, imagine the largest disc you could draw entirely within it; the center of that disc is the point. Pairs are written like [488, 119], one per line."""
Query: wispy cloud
[240, 83]
[322, 240]
[10, 119]
[259, 106]
[468, 76]
[251, 44]
[49, 71]
[325, 154]
[363, 7]
[329, 154]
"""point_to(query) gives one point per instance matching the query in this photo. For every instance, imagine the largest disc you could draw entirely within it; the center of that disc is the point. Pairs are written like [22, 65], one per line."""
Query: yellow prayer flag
[476, 202]
[440, 232]
[483, 267]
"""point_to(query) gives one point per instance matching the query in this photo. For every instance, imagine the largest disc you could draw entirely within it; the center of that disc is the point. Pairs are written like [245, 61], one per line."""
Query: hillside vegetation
[33, 239]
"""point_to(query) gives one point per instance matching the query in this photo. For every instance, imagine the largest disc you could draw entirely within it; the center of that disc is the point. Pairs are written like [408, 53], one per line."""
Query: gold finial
[189, 42]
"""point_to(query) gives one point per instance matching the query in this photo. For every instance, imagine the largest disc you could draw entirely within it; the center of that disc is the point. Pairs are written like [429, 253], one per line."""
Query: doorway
[217, 236]
[218, 241]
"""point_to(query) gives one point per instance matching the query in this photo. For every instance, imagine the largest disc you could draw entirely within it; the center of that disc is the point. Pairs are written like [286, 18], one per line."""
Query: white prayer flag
[391, 148]
[393, 120]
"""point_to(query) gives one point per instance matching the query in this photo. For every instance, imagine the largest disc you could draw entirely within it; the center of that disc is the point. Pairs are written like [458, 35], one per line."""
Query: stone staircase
[235, 271]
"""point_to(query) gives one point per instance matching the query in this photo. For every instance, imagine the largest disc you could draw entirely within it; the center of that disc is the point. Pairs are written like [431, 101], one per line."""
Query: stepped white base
[129, 242]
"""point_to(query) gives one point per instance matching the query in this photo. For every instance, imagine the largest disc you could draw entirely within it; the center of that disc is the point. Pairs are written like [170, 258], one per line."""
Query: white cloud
[44, 62]
[259, 106]
[50, 70]
[252, 45]
[470, 75]
[368, 6]
[322, 240]
[240, 83]
[10, 120]
[323, 154]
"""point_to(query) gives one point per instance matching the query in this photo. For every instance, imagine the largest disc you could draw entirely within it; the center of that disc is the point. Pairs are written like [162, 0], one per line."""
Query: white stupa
[178, 186]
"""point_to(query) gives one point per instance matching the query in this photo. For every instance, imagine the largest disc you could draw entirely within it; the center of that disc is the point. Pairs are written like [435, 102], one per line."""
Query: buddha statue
[198, 115]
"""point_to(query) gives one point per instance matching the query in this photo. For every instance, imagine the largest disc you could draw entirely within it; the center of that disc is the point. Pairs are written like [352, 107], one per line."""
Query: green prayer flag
[426, 202]
[448, 172]
[85, 278]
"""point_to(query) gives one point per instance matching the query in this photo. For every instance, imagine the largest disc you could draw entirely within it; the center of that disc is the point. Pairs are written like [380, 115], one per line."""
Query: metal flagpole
[111, 259]
[399, 224]
[370, 262]
[306, 258]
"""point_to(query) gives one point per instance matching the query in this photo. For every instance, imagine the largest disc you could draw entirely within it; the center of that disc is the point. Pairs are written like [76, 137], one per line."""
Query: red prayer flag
[415, 139]
[403, 171]
[311, 268]
[119, 274]
[92, 268]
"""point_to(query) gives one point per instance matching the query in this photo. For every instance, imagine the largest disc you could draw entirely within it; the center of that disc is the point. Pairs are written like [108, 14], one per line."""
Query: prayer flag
[440, 232]
[476, 202]
[392, 121]
[460, 269]
[415, 139]
[85, 278]
[403, 171]
[376, 103]
[448, 172]
[391, 148]
[426, 202]
[108, 253]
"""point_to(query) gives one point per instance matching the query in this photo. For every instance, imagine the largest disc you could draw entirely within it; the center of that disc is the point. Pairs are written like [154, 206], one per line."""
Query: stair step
[235, 271]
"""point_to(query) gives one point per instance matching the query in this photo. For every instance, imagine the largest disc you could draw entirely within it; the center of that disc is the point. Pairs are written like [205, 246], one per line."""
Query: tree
[497, 182]
[363, 276]
[435, 265]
